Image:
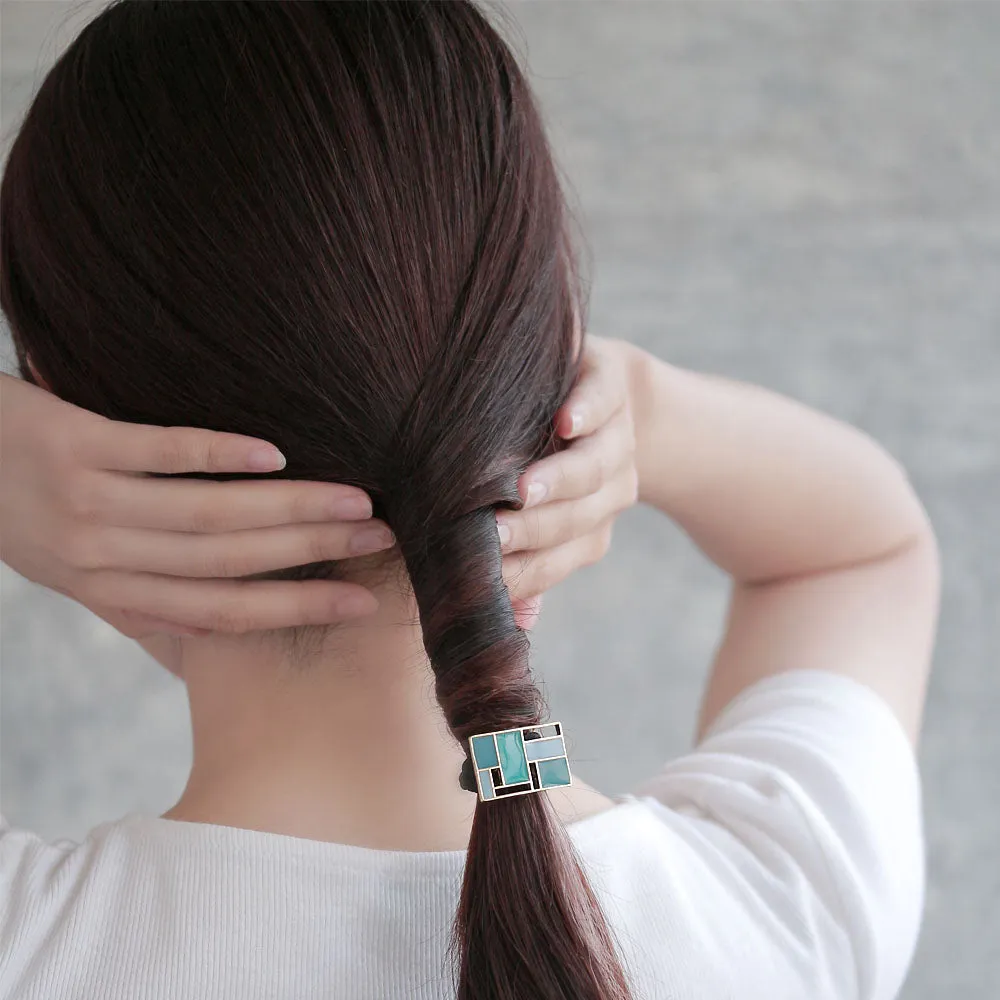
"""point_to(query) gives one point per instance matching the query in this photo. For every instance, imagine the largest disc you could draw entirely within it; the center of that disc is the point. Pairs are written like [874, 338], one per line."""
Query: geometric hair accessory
[519, 761]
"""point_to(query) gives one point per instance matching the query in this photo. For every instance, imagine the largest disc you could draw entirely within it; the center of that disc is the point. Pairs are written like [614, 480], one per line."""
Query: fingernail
[352, 508]
[504, 532]
[265, 460]
[536, 494]
[576, 419]
[371, 540]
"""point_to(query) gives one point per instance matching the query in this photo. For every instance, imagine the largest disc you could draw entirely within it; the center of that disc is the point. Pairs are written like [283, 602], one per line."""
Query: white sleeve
[812, 769]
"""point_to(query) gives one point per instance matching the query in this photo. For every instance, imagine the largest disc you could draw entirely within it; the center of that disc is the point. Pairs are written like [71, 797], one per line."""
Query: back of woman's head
[335, 226]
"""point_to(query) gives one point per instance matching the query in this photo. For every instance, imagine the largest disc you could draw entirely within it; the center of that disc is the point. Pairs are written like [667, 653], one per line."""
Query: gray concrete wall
[805, 195]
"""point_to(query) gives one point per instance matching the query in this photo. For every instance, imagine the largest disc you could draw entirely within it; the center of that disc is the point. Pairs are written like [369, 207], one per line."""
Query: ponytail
[528, 926]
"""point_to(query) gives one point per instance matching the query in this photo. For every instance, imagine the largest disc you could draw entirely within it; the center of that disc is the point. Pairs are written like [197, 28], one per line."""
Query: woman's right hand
[150, 555]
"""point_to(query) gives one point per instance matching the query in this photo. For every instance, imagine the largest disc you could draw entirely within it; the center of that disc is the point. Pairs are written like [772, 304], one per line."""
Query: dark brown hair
[338, 227]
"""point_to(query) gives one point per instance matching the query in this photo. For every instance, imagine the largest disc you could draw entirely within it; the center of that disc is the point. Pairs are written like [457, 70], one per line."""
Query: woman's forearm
[766, 487]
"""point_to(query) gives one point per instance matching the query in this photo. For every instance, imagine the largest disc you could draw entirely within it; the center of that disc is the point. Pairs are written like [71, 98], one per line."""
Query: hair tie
[516, 762]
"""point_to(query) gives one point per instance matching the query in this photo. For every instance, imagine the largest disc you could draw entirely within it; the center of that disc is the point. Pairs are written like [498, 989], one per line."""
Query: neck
[346, 743]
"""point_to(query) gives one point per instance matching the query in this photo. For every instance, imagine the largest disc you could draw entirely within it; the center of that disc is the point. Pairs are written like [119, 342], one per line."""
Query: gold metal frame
[524, 743]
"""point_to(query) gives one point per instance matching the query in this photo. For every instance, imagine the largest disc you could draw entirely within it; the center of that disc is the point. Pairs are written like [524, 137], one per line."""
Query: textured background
[805, 195]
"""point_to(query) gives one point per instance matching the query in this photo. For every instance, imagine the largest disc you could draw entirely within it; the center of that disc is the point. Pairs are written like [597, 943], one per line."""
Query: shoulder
[804, 798]
[23, 852]
[39, 876]
[578, 801]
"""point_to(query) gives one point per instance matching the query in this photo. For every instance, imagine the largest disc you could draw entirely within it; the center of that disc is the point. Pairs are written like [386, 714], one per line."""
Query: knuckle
[300, 506]
[519, 523]
[600, 544]
[317, 548]
[629, 447]
[205, 520]
[631, 442]
[562, 481]
[169, 452]
[81, 550]
[213, 450]
[595, 475]
[87, 499]
[59, 449]
[576, 523]
[606, 535]
[608, 462]
[631, 486]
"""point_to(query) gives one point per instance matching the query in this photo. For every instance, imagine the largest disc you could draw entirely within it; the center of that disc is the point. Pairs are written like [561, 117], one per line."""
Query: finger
[528, 574]
[206, 507]
[231, 606]
[526, 612]
[115, 445]
[598, 395]
[552, 524]
[140, 626]
[235, 553]
[582, 468]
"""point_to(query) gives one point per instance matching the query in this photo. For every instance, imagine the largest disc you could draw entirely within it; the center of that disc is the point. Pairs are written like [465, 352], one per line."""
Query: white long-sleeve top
[781, 859]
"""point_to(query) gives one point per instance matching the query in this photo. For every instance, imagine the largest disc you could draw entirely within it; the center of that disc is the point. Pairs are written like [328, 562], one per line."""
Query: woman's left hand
[573, 497]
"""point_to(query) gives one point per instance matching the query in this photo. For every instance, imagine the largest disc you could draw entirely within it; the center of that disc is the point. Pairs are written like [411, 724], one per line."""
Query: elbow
[918, 530]
[921, 538]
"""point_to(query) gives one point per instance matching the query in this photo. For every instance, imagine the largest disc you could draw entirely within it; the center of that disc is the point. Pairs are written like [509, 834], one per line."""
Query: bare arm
[833, 559]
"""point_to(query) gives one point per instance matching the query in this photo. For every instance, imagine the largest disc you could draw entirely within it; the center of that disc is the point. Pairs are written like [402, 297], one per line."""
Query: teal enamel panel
[537, 749]
[553, 772]
[486, 782]
[513, 764]
[485, 751]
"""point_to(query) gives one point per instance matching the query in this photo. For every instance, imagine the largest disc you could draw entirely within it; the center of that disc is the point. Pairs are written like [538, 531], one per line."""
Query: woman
[337, 228]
